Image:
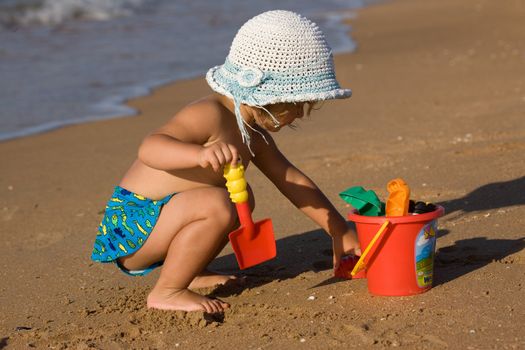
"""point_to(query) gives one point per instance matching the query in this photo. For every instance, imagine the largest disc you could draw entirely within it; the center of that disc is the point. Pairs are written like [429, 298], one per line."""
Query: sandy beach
[438, 100]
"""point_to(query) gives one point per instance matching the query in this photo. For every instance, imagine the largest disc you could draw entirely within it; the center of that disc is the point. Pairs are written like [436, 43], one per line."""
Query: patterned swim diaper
[127, 223]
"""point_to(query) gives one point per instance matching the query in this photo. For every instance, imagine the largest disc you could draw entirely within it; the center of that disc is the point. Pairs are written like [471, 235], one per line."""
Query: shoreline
[438, 99]
[114, 104]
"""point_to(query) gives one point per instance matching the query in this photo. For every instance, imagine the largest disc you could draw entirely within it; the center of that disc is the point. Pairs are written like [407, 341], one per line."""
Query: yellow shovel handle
[235, 183]
[361, 262]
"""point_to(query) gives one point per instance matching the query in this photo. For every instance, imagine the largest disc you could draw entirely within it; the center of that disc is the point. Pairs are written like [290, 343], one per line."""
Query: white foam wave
[87, 70]
[54, 12]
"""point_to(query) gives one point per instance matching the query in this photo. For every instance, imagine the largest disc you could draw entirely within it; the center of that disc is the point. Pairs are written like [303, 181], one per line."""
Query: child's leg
[208, 278]
[188, 234]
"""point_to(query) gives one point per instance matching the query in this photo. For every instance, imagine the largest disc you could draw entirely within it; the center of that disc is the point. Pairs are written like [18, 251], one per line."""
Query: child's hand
[345, 244]
[217, 155]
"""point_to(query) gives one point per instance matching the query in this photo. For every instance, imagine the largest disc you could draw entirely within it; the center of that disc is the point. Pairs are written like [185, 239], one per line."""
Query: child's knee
[221, 209]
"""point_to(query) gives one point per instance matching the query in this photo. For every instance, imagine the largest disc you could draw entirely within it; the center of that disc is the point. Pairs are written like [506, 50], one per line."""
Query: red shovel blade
[255, 245]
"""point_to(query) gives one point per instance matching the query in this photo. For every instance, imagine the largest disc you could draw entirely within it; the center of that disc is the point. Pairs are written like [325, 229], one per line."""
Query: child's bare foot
[184, 300]
[210, 279]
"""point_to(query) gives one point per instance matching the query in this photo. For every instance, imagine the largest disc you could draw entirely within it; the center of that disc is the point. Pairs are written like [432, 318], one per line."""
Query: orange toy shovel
[253, 243]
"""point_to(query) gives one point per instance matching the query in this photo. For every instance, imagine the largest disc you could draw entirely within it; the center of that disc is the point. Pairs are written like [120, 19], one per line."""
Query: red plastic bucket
[402, 263]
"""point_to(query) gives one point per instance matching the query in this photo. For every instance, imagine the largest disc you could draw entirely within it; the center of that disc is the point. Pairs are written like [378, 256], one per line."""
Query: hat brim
[261, 101]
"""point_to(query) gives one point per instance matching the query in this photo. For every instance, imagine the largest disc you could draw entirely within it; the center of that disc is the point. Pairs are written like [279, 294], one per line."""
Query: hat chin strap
[241, 123]
[276, 123]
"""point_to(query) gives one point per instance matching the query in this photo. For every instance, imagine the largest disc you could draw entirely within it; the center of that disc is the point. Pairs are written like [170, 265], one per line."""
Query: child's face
[285, 113]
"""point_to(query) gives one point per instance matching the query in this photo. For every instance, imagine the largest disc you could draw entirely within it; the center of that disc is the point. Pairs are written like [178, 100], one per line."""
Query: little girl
[172, 208]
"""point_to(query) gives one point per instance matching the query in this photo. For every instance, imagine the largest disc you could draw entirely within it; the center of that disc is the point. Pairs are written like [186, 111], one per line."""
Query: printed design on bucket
[425, 248]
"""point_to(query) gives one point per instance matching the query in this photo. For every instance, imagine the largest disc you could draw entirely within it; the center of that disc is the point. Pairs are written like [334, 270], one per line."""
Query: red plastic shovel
[253, 243]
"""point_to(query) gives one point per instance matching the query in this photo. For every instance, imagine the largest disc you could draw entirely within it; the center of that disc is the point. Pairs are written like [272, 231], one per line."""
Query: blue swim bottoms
[128, 220]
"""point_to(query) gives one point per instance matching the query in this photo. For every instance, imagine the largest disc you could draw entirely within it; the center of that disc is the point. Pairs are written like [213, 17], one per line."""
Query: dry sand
[439, 100]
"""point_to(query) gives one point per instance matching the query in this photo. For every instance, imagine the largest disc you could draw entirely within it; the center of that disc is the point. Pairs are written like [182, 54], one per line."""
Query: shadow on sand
[467, 255]
[311, 251]
[492, 196]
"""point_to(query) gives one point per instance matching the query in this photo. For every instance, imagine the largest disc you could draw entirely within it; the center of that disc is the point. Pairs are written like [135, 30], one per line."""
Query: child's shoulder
[208, 109]
[197, 121]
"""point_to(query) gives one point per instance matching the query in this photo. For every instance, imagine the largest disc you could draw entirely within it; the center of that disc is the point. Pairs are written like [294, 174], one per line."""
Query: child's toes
[208, 307]
[218, 306]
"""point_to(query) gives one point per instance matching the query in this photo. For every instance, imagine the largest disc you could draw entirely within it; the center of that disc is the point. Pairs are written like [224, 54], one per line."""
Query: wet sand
[439, 100]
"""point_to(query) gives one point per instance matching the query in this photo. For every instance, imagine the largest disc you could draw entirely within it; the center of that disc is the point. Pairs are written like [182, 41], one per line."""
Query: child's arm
[306, 196]
[184, 142]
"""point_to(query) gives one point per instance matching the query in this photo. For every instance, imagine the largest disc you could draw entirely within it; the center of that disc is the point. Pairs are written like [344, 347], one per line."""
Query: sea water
[72, 61]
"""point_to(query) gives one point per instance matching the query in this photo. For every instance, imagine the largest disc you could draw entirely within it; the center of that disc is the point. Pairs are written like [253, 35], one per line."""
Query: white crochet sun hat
[277, 56]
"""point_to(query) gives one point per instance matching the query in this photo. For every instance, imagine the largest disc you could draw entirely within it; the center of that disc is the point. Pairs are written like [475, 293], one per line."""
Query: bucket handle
[361, 263]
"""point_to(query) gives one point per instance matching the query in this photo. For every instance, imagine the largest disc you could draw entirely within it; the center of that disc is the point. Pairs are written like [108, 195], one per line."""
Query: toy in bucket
[397, 205]
[399, 253]
[398, 199]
